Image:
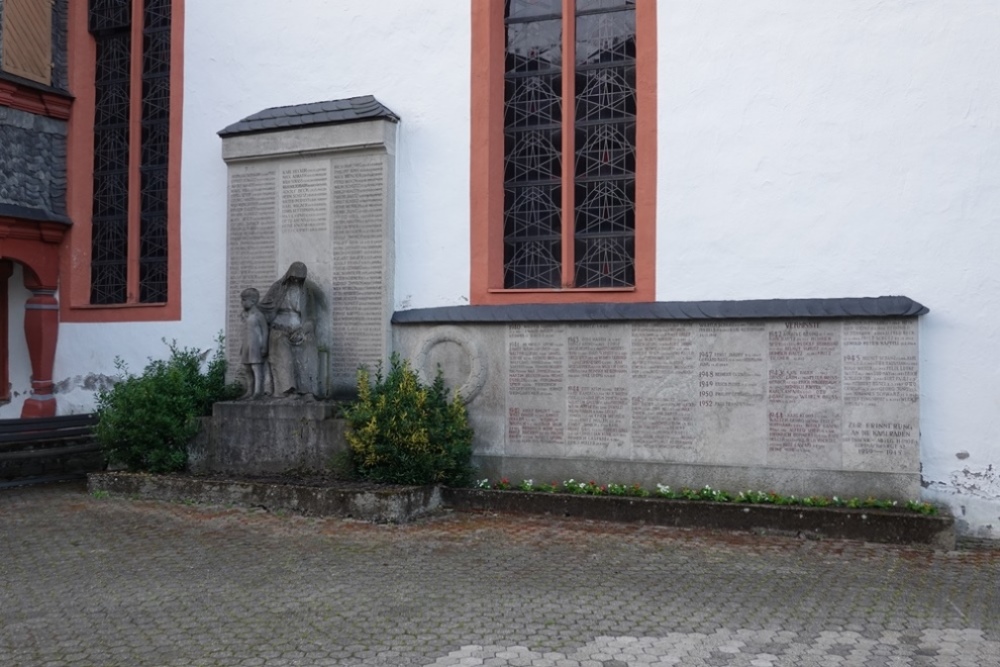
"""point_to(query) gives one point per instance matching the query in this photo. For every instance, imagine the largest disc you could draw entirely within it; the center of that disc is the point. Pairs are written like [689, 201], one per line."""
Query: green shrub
[404, 432]
[145, 421]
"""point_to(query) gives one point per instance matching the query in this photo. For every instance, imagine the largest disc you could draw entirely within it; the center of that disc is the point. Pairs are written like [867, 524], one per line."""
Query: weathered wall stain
[92, 382]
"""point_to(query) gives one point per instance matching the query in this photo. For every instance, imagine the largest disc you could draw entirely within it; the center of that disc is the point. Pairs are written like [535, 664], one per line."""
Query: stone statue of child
[255, 345]
[290, 306]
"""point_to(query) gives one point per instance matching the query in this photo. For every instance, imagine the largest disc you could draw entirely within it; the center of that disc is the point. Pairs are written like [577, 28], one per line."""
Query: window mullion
[568, 142]
[135, 141]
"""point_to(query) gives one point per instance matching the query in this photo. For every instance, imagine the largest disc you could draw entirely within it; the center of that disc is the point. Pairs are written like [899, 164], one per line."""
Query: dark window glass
[110, 23]
[603, 176]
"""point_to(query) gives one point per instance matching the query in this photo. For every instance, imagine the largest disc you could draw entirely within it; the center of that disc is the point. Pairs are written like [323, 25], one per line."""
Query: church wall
[805, 150]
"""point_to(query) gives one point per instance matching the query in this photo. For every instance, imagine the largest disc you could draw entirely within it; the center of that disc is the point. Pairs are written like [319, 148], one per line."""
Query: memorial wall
[322, 196]
[799, 405]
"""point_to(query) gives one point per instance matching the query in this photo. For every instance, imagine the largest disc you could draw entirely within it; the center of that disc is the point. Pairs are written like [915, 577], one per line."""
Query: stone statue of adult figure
[290, 306]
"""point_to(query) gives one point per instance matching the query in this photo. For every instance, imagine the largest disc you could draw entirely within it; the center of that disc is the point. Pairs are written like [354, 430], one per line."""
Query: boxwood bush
[145, 421]
[404, 432]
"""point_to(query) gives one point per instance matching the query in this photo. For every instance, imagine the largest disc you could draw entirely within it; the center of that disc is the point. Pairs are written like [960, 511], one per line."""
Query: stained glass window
[569, 178]
[114, 150]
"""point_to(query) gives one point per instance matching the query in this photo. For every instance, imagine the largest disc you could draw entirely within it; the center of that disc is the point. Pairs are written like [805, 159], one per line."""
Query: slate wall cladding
[32, 161]
[60, 57]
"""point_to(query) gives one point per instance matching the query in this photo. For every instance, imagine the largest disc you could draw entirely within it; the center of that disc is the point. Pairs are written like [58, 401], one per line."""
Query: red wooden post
[41, 330]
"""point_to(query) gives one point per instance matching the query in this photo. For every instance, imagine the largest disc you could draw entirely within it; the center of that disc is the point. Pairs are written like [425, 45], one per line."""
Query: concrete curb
[391, 504]
[400, 504]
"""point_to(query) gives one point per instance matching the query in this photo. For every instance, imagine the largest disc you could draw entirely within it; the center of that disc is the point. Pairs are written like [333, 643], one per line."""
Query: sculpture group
[279, 352]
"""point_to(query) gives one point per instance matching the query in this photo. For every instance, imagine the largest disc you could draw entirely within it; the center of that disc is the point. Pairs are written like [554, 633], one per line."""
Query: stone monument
[310, 226]
[810, 396]
[313, 185]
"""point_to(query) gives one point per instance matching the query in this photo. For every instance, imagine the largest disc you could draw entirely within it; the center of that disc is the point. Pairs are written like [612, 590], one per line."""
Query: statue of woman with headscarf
[290, 307]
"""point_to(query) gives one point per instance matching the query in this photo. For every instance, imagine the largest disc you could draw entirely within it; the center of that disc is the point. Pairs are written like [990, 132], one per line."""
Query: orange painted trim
[75, 303]
[173, 304]
[647, 58]
[43, 103]
[568, 169]
[487, 147]
[82, 64]
[6, 271]
[34, 245]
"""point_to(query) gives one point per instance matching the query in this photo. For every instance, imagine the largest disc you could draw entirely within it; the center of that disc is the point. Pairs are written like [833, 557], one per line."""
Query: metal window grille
[154, 152]
[603, 134]
[110, 23]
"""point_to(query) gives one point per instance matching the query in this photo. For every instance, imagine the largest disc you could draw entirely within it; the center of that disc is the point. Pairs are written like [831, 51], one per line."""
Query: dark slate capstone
[317, 113]
[25, 213]
[776, 309]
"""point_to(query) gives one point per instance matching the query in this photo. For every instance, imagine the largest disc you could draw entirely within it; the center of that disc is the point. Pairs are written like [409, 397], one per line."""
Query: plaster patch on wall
[982, 483]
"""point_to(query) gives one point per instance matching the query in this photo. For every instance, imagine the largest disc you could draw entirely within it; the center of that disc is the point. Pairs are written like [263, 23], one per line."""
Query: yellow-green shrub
[404, 432]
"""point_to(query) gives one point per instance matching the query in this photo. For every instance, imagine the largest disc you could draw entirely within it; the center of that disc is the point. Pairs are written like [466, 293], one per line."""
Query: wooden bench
[48, 449]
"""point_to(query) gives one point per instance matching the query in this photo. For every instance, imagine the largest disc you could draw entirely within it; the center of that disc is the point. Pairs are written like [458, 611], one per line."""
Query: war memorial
[805, 396]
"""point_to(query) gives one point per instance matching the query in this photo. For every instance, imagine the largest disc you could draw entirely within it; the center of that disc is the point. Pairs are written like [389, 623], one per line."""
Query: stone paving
[87, 581]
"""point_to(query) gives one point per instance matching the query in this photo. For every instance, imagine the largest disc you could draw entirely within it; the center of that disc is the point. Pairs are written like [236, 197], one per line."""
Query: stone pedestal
[255, 437]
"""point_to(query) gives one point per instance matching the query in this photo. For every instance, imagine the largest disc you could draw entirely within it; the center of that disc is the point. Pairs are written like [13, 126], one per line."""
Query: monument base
[268, 436]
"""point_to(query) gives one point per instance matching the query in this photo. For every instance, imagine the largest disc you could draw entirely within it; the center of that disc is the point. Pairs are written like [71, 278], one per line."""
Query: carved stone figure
[291, 306]
[254, 353]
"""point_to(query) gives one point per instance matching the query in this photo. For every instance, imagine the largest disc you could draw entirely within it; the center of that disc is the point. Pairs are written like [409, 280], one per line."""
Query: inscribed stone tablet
[664, 390]
[597, 394]
[804, 406]
[731, 402]
[881, 394]
[536, 389]
[252, 237]
[361, 302]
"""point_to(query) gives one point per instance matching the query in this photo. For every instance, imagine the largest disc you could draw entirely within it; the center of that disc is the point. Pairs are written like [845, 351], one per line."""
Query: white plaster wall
[849, 148]
[412, 55]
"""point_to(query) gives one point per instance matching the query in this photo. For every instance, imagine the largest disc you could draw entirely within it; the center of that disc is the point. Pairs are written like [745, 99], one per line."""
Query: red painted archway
[35, 245]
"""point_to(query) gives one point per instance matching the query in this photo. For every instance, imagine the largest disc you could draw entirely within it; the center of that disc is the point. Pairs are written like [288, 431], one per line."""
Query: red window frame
[75, 285]
[487, 149]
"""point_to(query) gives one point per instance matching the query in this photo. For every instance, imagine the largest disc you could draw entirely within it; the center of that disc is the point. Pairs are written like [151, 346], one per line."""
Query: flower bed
[870, 520]
[706, 493]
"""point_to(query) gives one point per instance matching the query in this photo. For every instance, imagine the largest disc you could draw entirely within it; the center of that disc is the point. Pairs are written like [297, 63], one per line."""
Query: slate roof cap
[331, 112]
[883, 306]
[33, 214]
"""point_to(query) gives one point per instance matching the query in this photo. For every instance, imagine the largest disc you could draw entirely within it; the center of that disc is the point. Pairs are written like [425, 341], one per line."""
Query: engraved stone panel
[732, 374]
[362, 237]
[809, 395]
[597, 398]
[304, 226]
[804, 400]
[881, 394]
[536, 389]
[664, 389]
[253, 236]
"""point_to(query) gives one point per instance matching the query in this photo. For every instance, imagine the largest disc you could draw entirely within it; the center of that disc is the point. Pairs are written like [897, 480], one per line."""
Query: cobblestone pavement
[100, 582]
